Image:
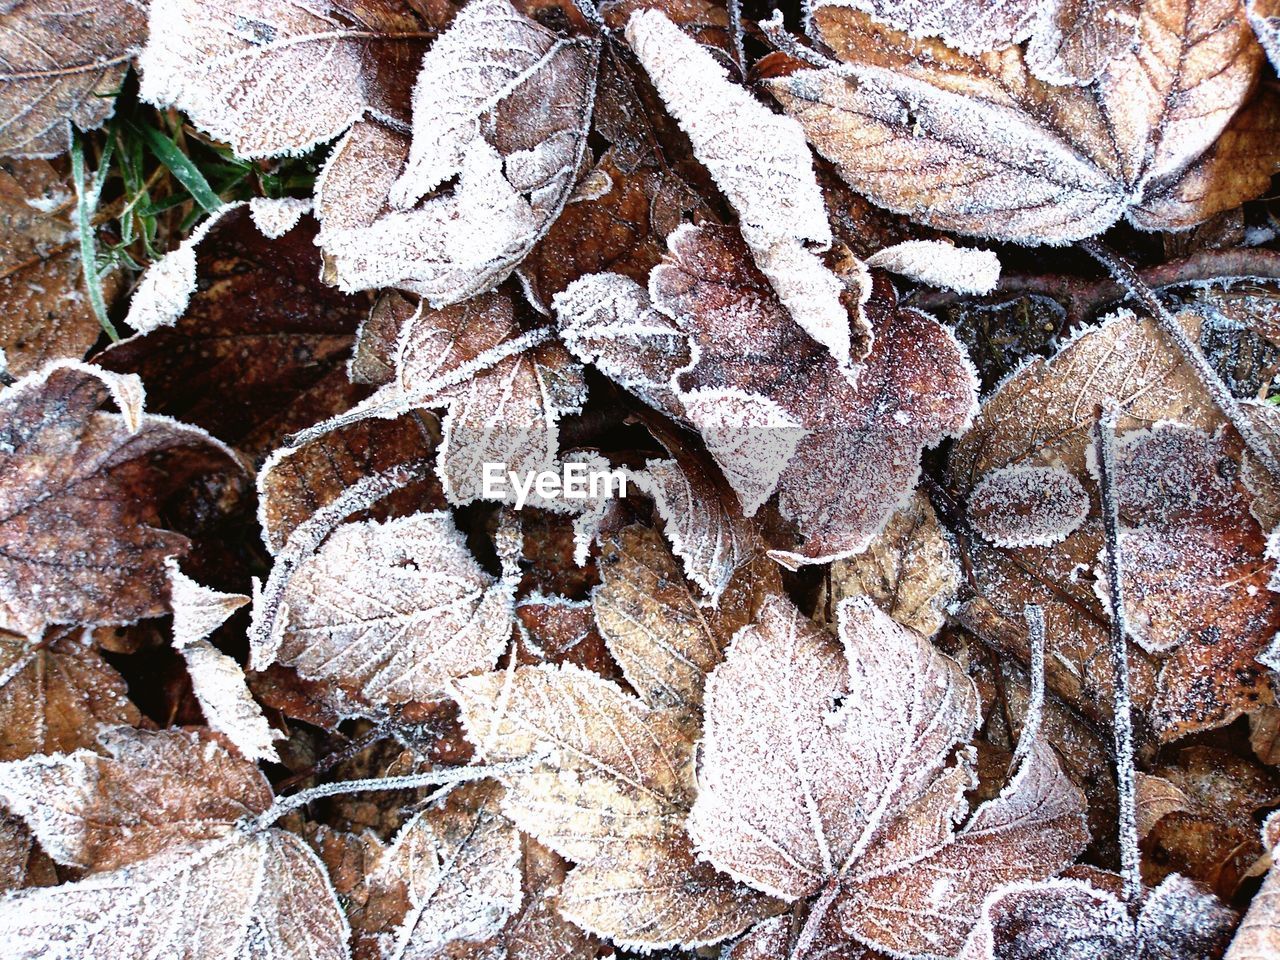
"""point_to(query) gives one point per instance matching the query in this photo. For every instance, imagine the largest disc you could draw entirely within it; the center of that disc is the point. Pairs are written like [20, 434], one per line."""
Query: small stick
[1124, 273]
[1122, 726]
[1034, 616]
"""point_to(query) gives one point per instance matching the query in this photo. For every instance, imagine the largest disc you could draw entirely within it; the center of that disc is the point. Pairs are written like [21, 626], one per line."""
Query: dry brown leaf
[46, 312]
[274, 78]
[57, 694]
[978, 145]
[1264, 15]
[909, 570]
[1258, 936]
[80, 491]
[393, 610]
[61, 64]
[611, 785]
[789, 804]
[1156, 797]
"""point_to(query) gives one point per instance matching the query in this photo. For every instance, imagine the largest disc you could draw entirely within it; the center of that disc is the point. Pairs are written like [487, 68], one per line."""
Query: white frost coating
[1026, 506]
[243, 895]
[761, 162]
[126, 389]
[275, 218]
[1264, 17]
[269, 77]
[941, 264]
[607, 319]
[165, 289]
[197, 610]
[394, 610]
[219, 686]
[751, 437]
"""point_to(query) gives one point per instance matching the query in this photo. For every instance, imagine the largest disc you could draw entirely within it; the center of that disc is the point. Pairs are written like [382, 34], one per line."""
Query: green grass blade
[85, 203]
[180, 165]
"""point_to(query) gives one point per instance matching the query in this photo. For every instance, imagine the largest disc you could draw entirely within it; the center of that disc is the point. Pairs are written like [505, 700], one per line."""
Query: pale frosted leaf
[275, 218]
[61, 64]
[80, 540]
[197, 610]
[941, 264]
[707, 533]
[1023, 506]
[146, 793]
[909, 570]
[56, 694]
[653, 626]
[246, 895]
[393, 611]
[972, 27]
[218, 684]
[455, 867]
[271, 77]
[761, 163]
[512, 132]
[1075, 40]
[606, 320]
[1264, 15]
[164, 291]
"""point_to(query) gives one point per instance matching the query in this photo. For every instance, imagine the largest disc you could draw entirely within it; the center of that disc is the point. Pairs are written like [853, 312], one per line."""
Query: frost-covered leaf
[610, 788]
[1075, 40]
[941, 264]
[606, 320]
[1073, 917]
[1023, 506]
[971, 27]
[146, 792]
[44, 311]
[56, 693]
[761, 163]
[275, 218]
[1052, 164]
[1264, 15]
[244, 895]
[259, 348]
[216, 679]
[61, 65]
[821, 772]
[909, 569]
[503, 105]
[452, 875]
[394, 610]
[80, 496]
[165, 290]
[273, 78]
[1258, 936]
[914, 389]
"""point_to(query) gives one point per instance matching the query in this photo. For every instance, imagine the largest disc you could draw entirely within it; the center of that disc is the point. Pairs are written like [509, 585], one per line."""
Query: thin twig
[1122, 724]
[1034, 616]
[1123, 271]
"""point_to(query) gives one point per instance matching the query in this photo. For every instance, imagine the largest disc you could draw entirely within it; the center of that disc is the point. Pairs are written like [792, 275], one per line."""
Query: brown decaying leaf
[909, 570]
[57, 694]
[61, 64]
[46, 313]
[1258, 935]
[260, 350]
[1264, 15]
[1052, 164]
[274, 78]
[788, 804]
[80, 491]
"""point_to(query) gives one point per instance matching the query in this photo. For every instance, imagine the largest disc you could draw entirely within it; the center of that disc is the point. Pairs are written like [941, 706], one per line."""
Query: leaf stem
[86, 203]
[1122, 724]
[1125, 274]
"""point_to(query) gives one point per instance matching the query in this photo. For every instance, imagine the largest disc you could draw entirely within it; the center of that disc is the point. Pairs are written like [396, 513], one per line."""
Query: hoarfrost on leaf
[1025, 506]
[941, 264]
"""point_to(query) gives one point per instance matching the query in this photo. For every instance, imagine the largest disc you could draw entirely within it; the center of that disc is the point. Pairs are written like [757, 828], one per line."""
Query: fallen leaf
[1264, 16]
[61, 65]
[940, 264]
[1258, 935]
[1021, 506]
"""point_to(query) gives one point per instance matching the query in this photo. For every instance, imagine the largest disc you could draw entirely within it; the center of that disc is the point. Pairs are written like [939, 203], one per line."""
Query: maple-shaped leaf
[503, 105]
[1070, 917]
[275, 78]
[80, 492]
[821, 774]
[391, 610]
[909, 569]
[57, 693]
[256, 348]
[451, 878]
[46, 313]
[915, 388]
[61, 65]
[1053, 164]
[217, 681]
[761, 163]
[180, 874]
[611, 784]
[1258, 936]
[1041, 419]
